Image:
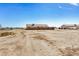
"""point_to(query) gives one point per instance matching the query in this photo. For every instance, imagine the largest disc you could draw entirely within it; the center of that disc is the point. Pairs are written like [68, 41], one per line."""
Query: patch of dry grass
[69, 51]
[40, 36]
[6, 34]
[43, 37]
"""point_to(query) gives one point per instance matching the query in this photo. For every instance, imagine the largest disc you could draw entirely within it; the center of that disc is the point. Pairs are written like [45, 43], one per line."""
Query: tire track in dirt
[43, 37]
[28, 43]
[50, 44]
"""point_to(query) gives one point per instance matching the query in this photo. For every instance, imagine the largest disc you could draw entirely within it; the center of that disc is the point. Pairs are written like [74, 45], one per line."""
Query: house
[69, 26]
[38, 27]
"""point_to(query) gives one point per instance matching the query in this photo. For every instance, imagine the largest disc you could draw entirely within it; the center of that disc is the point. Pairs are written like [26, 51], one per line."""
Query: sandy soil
[40, 43]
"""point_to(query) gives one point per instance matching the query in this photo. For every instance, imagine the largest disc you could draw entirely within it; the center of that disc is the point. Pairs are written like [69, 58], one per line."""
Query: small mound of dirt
[6, 34]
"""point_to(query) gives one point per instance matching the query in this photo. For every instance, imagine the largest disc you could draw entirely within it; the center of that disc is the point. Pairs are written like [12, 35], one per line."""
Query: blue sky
[20, 14]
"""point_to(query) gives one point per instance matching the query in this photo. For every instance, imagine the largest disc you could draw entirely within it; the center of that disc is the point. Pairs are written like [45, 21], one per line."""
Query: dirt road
[40, 43]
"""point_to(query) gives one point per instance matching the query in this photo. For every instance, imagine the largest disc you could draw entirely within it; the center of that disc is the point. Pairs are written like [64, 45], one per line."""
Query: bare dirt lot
[39, 42]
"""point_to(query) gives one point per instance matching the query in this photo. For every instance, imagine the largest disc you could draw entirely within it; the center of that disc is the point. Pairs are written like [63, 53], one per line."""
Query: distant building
[70, 26]
[38, 27]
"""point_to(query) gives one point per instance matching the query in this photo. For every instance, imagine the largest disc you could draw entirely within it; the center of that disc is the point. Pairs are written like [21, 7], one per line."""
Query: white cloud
[75, 4]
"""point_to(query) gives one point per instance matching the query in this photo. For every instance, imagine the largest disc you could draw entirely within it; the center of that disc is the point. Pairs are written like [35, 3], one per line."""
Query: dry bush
[40, 36]
[70, 51]
[6, 34]
[45, 38]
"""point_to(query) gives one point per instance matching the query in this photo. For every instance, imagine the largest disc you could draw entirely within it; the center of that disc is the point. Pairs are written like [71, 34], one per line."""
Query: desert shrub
[44, 38]
[70, 51]
[40, 36]
[6, 34]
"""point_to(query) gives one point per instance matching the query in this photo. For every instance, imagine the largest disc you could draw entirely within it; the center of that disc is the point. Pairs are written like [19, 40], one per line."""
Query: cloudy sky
[42, 13]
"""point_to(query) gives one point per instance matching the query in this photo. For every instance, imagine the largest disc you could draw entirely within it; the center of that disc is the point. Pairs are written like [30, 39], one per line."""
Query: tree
[0, 26]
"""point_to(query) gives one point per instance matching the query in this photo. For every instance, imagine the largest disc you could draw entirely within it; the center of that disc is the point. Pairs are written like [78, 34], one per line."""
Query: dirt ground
[39, 43]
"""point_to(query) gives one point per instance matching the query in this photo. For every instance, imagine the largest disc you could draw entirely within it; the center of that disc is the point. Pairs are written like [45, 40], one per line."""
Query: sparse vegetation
[40, 36]
[43, 37]
[6, 34]
[69, 51]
